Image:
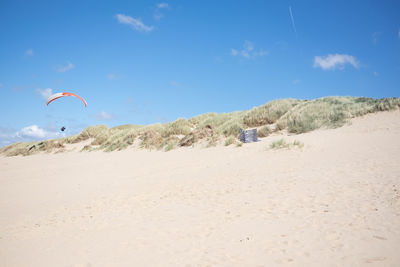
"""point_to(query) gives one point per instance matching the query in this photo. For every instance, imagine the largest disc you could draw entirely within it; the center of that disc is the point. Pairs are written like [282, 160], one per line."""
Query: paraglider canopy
[58, 95]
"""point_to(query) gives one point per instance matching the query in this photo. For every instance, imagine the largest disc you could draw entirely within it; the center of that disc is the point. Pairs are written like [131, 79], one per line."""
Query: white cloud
[331, 62]
[157, 12]
[33, 132]
[245, 54]
[29, 52]
[65, 68]
[136, 24]
[28, 134]
[248, 51]
[162, 5]
[104, 116]
[44, 93]
[248, 46]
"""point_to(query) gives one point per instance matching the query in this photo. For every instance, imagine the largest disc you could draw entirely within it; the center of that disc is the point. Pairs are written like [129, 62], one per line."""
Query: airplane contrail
[291, 17]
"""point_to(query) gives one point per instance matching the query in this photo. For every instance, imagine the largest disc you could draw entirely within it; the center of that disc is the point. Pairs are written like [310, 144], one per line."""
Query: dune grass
[282, 143]
[292, 115]
[178, 127]
[332, 112]
[264, 131]
[270, 112]
[230, 140]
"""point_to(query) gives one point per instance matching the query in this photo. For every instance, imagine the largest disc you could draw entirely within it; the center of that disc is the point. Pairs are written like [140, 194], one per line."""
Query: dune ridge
[284, 115]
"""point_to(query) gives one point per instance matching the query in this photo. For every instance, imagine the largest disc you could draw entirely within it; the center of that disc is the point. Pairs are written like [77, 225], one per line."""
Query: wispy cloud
[296, 81]
[104, 116]
[136, 24]
[65, 68]
[162, 5]
[157, 12]
[331, 62]
[248, 46]
[248, 51]
[375, 37]
[292, 19]
[29, 52]
[44, 93]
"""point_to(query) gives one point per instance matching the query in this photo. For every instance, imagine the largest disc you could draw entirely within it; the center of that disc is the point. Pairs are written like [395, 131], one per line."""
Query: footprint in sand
[375, 259]
[379, 237]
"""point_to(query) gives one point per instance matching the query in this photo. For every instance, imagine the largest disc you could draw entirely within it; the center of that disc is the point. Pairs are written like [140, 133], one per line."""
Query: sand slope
[336, 202]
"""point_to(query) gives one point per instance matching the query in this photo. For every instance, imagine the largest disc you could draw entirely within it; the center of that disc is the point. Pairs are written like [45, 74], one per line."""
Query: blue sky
[143, 62]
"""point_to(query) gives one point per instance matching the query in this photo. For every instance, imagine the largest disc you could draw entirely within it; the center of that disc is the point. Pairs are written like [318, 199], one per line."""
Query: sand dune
[334, 202]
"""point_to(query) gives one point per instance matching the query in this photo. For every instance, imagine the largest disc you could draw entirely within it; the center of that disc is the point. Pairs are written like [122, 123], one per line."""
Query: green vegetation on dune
[264, 131]
[270, 112]
[178, 127]
[292, 115]
[332, 112]
[281, 143]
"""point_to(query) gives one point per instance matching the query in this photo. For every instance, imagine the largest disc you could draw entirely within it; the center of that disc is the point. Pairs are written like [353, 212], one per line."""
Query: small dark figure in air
[62, 129]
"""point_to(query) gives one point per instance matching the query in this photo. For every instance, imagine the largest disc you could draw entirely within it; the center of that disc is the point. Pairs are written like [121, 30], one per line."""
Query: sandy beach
[334, 202]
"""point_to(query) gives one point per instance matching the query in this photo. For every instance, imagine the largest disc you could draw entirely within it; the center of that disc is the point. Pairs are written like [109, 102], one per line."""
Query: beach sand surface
[334, 202]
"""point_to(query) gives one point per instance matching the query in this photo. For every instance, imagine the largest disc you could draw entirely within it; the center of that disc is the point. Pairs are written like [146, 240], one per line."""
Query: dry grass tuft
[196, 135]
[264, 131]
[151, 139]
[230, 140]
[281, 143]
